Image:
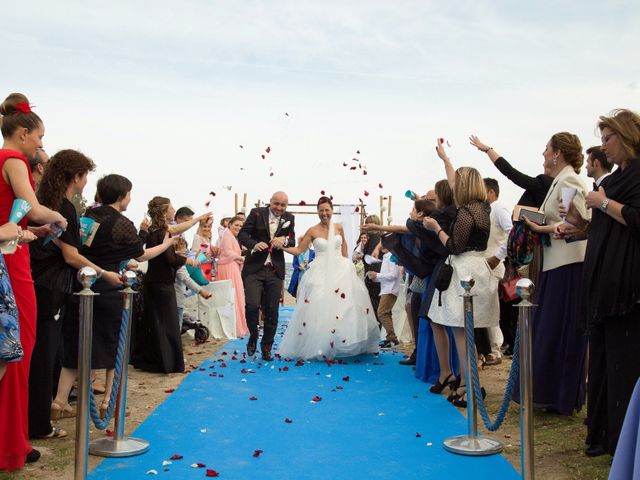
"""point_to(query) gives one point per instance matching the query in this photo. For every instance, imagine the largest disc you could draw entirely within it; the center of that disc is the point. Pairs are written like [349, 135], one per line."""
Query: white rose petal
[203, 430]
[152, 472]
[429, 444]
[165, 463]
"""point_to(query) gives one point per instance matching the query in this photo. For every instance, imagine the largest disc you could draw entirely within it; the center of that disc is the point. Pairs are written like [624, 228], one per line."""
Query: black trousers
[374, 294]
[509, 322]
[613, 371]
[262, 289]
[50, 306]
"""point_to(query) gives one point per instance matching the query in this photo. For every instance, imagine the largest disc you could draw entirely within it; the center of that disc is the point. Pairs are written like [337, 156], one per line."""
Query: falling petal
[257, 453]
[268, 150]
[380, 185]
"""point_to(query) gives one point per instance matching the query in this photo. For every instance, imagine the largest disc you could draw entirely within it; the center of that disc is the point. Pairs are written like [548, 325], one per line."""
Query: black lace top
[470, 229]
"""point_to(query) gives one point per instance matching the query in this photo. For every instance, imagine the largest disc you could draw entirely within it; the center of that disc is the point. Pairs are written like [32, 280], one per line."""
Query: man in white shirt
[598, 166]
[496, 252]
[389, 279]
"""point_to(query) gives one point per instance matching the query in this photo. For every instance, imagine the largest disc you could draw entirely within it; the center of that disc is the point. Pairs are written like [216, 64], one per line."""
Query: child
[184, 282]
[389, 279]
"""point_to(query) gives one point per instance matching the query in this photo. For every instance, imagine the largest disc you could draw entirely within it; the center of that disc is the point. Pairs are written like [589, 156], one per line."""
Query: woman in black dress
[115, 243]
[53, 268]
[157, 343]
[610, 279]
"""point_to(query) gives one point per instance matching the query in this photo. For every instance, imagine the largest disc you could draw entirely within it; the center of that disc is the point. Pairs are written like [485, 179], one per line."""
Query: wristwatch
[604, 205]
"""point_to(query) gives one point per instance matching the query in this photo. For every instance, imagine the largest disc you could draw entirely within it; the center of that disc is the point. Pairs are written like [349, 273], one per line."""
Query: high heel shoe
[462, 403]
[58, 410]
[455, 395]
[439, 387]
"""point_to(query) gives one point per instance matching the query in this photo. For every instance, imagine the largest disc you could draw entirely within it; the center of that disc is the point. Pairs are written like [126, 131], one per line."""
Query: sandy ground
[558, 439]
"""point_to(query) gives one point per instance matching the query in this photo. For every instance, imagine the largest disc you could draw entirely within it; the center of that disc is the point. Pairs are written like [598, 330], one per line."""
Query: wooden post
[389, 217]
[244, 201]
[235, 203]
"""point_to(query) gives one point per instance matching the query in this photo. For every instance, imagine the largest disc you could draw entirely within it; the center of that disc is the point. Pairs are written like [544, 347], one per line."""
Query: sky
[166, 92]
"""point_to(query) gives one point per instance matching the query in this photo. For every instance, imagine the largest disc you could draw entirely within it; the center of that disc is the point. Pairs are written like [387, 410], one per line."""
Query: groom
[264, 233]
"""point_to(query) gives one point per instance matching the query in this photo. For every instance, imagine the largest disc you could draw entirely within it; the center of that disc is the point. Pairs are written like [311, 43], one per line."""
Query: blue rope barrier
[508, 392]
[102, 423]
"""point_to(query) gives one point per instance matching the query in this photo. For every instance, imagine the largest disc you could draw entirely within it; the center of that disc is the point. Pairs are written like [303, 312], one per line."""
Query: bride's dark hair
[322, 200]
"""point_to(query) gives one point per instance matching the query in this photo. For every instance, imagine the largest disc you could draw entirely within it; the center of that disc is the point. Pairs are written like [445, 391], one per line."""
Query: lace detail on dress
[470, 229]
[124, 232]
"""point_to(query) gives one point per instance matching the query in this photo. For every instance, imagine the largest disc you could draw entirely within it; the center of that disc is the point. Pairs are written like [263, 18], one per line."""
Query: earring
[23, 141]
[555, 161]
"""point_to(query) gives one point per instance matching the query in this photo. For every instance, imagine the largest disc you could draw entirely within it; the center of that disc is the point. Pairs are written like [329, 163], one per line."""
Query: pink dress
[230, 269]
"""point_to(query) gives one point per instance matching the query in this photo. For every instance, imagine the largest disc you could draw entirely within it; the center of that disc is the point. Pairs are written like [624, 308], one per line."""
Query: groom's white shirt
[273, 228]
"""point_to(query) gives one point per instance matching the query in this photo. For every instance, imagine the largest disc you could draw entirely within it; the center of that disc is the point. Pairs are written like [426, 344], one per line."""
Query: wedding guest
[358, 254]
[38, 164]
[598, 166]
[184, 284]
[158, 346]
[22, 131]
[467, 245]
[203, 243]
[559, 345]
[496, 253]
[372, 242]
[183, 214]
[54, 264]
[300, 265]
[389, 279]
[230, 263]
[112, 248]
[611, 288]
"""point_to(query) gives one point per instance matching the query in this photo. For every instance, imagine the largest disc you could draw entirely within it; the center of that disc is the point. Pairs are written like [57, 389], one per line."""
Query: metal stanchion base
[110, 447]
[479, 446]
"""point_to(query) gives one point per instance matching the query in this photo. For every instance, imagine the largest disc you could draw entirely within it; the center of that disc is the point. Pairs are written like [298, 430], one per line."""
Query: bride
[333, 316]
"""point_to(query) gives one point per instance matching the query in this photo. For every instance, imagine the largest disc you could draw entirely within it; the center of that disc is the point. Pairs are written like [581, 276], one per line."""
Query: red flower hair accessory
[24, 107]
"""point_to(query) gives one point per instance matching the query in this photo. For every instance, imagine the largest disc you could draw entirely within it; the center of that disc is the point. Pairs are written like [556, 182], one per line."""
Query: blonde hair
[375, 219]
[626, 124]
[569, 145]
[469, 187]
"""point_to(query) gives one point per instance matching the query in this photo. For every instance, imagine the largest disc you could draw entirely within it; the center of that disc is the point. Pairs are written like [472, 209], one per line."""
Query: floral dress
[10, 346]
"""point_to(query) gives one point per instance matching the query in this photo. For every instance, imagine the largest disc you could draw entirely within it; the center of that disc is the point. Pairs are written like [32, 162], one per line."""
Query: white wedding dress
[333, 317]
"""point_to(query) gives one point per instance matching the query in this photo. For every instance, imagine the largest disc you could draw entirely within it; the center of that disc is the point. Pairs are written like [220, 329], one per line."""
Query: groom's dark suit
[263, 272]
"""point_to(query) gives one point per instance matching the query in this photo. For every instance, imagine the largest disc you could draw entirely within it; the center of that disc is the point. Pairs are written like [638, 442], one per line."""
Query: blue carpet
[380, 423]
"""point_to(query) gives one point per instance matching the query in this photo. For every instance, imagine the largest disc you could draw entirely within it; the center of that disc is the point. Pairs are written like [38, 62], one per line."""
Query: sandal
[55, 433]
[58, 410]
[461, 402]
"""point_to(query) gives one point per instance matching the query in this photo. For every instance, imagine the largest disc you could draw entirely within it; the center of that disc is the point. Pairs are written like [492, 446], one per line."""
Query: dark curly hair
[61, 170]
[157, 209]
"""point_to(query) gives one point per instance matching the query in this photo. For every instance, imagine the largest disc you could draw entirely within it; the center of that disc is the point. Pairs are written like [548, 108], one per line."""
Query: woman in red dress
[22, 131]
[229, 268]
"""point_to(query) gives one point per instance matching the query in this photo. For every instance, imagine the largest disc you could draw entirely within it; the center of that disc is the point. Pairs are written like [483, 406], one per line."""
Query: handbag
[10, 346]
[444, 279]
[507, 286]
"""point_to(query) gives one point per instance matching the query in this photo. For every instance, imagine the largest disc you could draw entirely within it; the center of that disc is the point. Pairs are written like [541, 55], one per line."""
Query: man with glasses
[38, 165]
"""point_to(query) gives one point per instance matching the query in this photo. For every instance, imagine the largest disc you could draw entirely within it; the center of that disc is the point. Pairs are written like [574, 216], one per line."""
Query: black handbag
[444, 279]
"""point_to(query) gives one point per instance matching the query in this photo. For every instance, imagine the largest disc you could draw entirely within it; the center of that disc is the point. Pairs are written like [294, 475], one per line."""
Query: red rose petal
[345, 379]
[357, 209]
[339, 387]
[170, 390]
[207, 204]
[367, 310]
[213, 194]
[321, 192]
[418, 435]
[212, 473]
[337, 290]
[302, 203]
[353, 168]
[176, 457]
[342, 295]
[241, 146]
[358, 152]
[286, 114]
[271, 174]
[263, 157]
[331, 197]
[200, 465]
[364, 172]
[344, 164]
[380, 185]
[253, 398]
[306, 301]
[317, 398]
[109, 433]
[257, 453]
[288, 420]
[285, 369]
[268, 150]
[366, 194]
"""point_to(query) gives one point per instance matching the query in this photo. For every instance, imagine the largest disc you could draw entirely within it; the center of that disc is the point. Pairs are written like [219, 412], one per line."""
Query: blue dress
[10, 346]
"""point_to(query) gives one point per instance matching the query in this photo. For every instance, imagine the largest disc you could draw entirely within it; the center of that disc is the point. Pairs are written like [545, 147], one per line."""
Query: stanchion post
[86, 276]
[119, 445]
[471, 444]
[525, 288]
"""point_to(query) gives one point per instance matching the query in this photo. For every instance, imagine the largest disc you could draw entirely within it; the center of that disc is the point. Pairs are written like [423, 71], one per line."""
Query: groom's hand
[260, 246]
[278, 242]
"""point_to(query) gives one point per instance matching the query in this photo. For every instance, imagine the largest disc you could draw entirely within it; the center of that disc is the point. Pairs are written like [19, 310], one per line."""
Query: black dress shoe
[267, 356]
[32, 456]
[251, 347]
[408, 361]
[595, 451]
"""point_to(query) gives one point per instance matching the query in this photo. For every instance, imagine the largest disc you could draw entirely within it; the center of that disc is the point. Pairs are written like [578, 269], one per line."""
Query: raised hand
[440, 150]
[476, 142]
